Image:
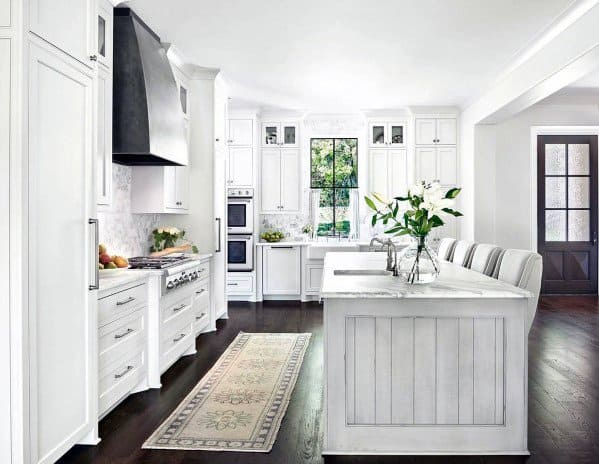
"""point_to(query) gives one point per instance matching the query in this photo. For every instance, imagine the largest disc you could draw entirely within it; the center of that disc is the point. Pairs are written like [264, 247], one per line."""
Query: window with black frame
[334, 181]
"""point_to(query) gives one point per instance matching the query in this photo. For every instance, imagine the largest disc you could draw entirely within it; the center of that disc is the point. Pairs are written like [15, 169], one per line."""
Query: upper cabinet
[104, 33]
[282, 134]
[184, 91]
[389, 172]
[280, 180]
[240, 132]
[160, 189]
[436, 131]
[240, 167]
[437, 164]
[381, 134]
[67, 25]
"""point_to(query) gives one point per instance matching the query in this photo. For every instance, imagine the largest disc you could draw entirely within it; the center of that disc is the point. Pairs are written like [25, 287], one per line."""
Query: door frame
[547, 130]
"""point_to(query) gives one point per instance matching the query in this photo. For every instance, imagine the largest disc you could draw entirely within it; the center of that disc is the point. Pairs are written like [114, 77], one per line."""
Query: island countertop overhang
[453, 282]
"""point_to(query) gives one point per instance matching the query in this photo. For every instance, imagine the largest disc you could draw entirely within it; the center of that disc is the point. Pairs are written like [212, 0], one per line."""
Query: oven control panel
[240, 193]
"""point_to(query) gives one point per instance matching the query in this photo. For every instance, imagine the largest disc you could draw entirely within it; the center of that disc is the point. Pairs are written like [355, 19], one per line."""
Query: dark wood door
[567, 212]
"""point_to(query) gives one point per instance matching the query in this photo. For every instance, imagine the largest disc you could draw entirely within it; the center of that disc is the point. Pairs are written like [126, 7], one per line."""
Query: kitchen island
[422, 369]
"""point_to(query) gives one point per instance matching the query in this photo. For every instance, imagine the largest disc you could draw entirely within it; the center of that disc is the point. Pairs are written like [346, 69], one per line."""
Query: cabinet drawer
[202, 319]
[117, 340]
[120, 380]
[201, 294]
[240, 285]
[175, 343]
[118, 304]
[313, 278]
[174, 310]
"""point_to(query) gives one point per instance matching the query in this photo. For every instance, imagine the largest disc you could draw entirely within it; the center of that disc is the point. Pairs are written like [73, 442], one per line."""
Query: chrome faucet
[391, 257]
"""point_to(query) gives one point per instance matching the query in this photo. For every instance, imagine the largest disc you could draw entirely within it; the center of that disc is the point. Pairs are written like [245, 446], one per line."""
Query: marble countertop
[453, 282]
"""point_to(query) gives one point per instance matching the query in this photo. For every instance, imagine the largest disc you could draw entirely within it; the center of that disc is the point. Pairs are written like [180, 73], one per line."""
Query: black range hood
[148, 126]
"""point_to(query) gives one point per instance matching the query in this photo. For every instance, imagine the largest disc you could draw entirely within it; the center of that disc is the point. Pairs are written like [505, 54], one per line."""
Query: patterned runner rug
[240, 403]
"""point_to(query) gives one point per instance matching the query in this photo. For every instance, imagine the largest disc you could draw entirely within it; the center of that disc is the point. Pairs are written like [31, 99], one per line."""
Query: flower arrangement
[167, 237]
[427, 201]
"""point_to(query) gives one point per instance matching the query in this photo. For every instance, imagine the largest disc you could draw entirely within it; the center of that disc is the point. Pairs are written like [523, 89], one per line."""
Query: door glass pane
[555, 159]
[101, 36]
[236, 251]
[236, 215]
[578, 159]
[271, 135]
[578, 192]
[397, 134]
[579, 226]
[378, 135]
[289, 133]
[183, 98]
[555, 226]
[555, 192]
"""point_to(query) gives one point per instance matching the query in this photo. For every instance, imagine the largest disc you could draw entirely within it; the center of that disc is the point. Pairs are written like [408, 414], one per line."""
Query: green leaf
[370, 203]
[403, 232]
[452, 212]
[452, 193]
[373, 220]
[436, 221]
[401, 198]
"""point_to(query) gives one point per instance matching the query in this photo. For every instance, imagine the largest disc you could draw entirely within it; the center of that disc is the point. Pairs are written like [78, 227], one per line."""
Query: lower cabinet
[281, 270]
[122, 340]
[201, 306]
[177, 329]
[312, 278]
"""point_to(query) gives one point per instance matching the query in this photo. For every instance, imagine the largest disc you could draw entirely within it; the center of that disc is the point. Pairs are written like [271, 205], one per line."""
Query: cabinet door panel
[290, 180]
[170, 187]
[240, 132]
[426, 131]
[447, 131]
[426, 164]
[104, 137]
[65, 24]
[182, 187]
[5, 11]
[379, 172]
[271, 179]
[62, 310]
[398, 172]
[241, 170]
[289, 134]
[447, 164]
[281, 270]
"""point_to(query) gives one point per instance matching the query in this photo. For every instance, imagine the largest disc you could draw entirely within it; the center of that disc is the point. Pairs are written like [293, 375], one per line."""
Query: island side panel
[430, 347]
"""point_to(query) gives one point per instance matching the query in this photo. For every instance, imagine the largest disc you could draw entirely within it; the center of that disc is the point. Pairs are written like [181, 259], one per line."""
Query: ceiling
[339, 55]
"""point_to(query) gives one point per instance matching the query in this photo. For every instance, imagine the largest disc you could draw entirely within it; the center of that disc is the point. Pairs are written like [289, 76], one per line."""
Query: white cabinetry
[240, 132]
[104, 136]
[437, 163]
[436, 131]
[381, 134]
[62, 306]
[280, 180]
[282, 134]
[160, 189]
[240, 167]
[389, 172]
[66, 24]
[281, 270]
[104, 33]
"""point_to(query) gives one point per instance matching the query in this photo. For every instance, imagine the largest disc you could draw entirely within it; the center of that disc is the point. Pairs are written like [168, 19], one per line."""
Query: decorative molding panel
[424, 371]
[5, 13]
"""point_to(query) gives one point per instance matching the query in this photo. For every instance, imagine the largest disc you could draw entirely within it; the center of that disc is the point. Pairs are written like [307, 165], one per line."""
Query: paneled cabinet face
[66, 25]
[389, 172]
[280, 180]
[281, 270]
[241, 132]
[283, 134]
[240, 167]
[104, 137]
[437, 164]
[436, 131]
[104, 33]
[387, 133]
[176, 187]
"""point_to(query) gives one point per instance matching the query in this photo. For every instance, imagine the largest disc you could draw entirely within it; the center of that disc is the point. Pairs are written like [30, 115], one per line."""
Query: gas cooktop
[163, 262]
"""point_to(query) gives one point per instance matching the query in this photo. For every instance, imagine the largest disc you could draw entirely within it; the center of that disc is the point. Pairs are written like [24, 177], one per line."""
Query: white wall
[512, 164]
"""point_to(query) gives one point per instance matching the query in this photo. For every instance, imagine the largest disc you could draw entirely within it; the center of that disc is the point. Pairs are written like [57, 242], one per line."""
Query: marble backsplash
[123, 232]
[290, 224]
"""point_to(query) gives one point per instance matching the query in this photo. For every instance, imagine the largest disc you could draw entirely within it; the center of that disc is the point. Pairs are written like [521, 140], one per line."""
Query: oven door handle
[218, 249]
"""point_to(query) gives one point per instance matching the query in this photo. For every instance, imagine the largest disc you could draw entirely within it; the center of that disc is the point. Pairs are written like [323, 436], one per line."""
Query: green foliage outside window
[334, 170]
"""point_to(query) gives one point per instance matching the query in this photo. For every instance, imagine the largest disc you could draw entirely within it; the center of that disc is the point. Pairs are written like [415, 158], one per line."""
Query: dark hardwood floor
[563, 394]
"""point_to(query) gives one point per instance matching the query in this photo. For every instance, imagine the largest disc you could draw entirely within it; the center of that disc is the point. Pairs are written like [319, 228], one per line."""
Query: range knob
[170, 285]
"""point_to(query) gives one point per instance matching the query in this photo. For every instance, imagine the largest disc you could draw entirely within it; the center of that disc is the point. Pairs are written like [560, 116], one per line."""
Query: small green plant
[167, 237]
[272, 235]
[307, 229]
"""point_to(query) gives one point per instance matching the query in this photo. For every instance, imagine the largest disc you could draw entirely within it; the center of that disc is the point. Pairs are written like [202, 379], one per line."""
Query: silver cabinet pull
[127, 369]
[93, 58]
[200, 291]
[180, 337]
[124, 334]
[96, 283]
[179, 308]
[232, 284]
[218, 250]
[124, 302]
[201, 316]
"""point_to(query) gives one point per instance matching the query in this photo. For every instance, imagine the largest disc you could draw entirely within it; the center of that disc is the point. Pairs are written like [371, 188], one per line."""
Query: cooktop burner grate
[148, 262]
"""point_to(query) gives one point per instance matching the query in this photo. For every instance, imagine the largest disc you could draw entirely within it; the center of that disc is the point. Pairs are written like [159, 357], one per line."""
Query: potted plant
[165, 241]
[418, 263]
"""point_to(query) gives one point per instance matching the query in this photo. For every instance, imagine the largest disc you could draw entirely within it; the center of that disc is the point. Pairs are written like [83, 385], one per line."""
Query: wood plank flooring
[563, 394]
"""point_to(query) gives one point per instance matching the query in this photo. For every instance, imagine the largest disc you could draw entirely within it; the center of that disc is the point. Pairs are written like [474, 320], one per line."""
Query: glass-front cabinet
[381, 134]
[104, 30]
[282, 134]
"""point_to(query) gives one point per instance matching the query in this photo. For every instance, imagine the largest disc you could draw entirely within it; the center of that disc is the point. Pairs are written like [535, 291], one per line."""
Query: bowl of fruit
[272, 236]
[110, 265]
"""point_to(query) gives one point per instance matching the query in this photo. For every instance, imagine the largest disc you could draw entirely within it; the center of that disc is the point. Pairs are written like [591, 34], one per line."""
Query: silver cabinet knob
[93, 58]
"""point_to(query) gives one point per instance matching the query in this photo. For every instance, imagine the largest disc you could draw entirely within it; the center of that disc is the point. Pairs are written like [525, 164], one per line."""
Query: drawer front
[175, 344]
[313, 278]
[201, 295]
[174, 310]
[117, 340]
[120, 380]
[118, 304]
[240, 285]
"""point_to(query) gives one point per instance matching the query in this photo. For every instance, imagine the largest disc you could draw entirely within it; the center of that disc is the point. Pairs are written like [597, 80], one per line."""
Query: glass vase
[418, 263]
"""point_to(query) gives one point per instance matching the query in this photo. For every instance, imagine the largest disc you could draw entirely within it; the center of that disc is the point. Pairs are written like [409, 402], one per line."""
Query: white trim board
[535, 131]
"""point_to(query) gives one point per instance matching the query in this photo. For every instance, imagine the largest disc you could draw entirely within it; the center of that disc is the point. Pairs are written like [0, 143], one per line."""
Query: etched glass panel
[270, 135]
[578, 159]
[579, 225]
[578, 192]
[555, 159]
[396, 134]
[555, 226]
[378, 135]
[555, 192]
